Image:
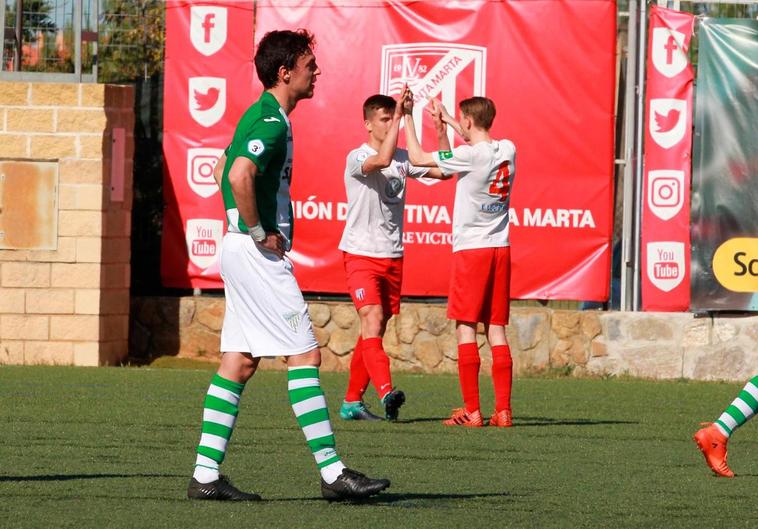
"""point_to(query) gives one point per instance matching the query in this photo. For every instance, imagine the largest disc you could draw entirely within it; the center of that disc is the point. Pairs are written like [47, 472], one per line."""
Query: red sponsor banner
[208, 84]
[549, 67]
[665, 237]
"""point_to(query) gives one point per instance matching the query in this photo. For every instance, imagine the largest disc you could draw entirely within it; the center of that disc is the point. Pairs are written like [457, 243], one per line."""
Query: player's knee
[311, 358]
[372, 321]
[465, 332]
[238, 367]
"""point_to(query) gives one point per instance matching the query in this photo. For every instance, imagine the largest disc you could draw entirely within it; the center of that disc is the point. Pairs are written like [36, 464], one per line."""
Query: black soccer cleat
[220, 490]
[352, 485]
[392, 402]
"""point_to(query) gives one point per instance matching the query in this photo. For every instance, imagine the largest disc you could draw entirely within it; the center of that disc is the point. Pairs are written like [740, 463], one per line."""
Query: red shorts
[480, 286]
[374, 281]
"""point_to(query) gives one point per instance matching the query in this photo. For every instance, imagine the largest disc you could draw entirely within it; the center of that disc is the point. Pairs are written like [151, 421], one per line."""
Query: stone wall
[70, 305]
[421, 339]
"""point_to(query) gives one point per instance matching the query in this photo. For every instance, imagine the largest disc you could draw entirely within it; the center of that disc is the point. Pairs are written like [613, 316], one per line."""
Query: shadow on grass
[532, 421]
[549, 421]
[421, 419]
[71, 477]
[390, 498]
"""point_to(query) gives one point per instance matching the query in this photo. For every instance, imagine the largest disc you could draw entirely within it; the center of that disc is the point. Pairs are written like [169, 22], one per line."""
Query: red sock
[468, 374]
[502, 376]
[377, 365]
[359, 378]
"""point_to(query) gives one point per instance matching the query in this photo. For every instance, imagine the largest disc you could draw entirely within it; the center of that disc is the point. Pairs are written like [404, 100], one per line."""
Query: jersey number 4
[501, 185]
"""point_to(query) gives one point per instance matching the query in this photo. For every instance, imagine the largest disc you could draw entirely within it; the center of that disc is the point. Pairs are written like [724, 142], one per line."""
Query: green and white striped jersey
[264, 136]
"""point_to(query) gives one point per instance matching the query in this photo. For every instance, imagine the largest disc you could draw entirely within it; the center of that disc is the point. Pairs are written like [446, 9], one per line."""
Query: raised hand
[407, 99]
[399, 110]
[433, 108]
[441, 110]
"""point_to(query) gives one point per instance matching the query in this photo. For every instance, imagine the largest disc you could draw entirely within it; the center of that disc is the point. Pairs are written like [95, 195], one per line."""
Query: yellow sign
[735, 264]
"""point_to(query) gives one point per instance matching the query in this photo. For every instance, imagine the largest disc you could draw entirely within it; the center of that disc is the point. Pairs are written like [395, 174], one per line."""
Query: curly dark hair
[280, 48]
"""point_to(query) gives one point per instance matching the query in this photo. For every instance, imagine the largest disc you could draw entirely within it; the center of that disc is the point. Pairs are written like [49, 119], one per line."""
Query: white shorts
[266, 314]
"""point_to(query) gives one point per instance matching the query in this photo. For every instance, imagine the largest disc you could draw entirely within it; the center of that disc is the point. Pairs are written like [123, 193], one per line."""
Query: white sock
[330, 473]
[206, 469]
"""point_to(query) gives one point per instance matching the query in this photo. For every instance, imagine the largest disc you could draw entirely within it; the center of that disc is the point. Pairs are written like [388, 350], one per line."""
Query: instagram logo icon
[200, 164]
[665, 193]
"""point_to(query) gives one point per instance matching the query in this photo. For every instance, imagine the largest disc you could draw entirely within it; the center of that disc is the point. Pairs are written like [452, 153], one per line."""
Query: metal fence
[81, 40]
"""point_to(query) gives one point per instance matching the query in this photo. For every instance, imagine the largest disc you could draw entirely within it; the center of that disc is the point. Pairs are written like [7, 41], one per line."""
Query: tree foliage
[131, 39]
[35, 16]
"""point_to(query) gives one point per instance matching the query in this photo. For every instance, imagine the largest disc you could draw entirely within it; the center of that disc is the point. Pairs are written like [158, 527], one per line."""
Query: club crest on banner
[208, 28]
[665, 193]
[204, 241]
[200, 164]
[668, 120]
[665, 264]
[207, 99]
[432, 69]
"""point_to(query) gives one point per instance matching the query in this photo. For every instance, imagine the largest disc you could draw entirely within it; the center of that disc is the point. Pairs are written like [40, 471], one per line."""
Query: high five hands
[406, 97]
[435, 108]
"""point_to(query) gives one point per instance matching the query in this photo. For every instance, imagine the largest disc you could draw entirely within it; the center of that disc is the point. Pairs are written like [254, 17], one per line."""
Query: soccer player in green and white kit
[713, 438]
[265, 311]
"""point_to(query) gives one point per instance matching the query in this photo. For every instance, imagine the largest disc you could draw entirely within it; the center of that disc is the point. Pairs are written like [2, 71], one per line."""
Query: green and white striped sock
[219, 415]
[741, 409]
[309, 405]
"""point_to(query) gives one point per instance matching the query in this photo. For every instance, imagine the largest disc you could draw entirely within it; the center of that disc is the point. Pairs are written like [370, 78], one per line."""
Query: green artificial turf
[114, 447]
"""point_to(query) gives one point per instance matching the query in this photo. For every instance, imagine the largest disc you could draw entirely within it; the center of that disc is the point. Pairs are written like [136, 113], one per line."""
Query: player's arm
[437, 174]
[416, 154]
[218, 171]
[242, 181]
[383, 158]
[443, 141]
[446, 118]
[242, 175]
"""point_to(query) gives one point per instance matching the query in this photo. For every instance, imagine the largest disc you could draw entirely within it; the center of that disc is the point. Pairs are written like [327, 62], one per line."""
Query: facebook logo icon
[208, 28]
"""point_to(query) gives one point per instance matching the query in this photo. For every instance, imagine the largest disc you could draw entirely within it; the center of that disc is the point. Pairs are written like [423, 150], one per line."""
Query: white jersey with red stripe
[482, 194]
[376, 204]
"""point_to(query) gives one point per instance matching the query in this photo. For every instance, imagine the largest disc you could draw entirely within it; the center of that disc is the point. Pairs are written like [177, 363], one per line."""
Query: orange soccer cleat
[713, 445]
[461, 417]
[502, 418]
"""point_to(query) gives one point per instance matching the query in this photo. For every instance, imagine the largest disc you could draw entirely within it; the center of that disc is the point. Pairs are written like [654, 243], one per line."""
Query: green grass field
[114, 447]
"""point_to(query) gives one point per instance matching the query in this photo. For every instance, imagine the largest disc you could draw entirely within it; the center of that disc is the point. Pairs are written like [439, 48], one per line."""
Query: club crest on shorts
[446, 71]
[360, 294]
[293, 320]
[204, 241]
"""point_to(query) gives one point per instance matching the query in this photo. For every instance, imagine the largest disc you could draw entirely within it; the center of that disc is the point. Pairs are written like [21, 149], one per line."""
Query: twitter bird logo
[666, 122]
[207, 99]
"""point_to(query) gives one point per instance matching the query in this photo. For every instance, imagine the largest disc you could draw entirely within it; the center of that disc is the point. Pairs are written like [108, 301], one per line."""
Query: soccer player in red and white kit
[480, 275]
[372, 242]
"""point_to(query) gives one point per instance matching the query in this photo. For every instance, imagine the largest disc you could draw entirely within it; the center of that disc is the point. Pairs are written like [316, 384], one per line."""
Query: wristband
[257, 233]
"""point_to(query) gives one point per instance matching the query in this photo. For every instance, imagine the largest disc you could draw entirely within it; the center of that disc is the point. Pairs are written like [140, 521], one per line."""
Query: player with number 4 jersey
[480, 275]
